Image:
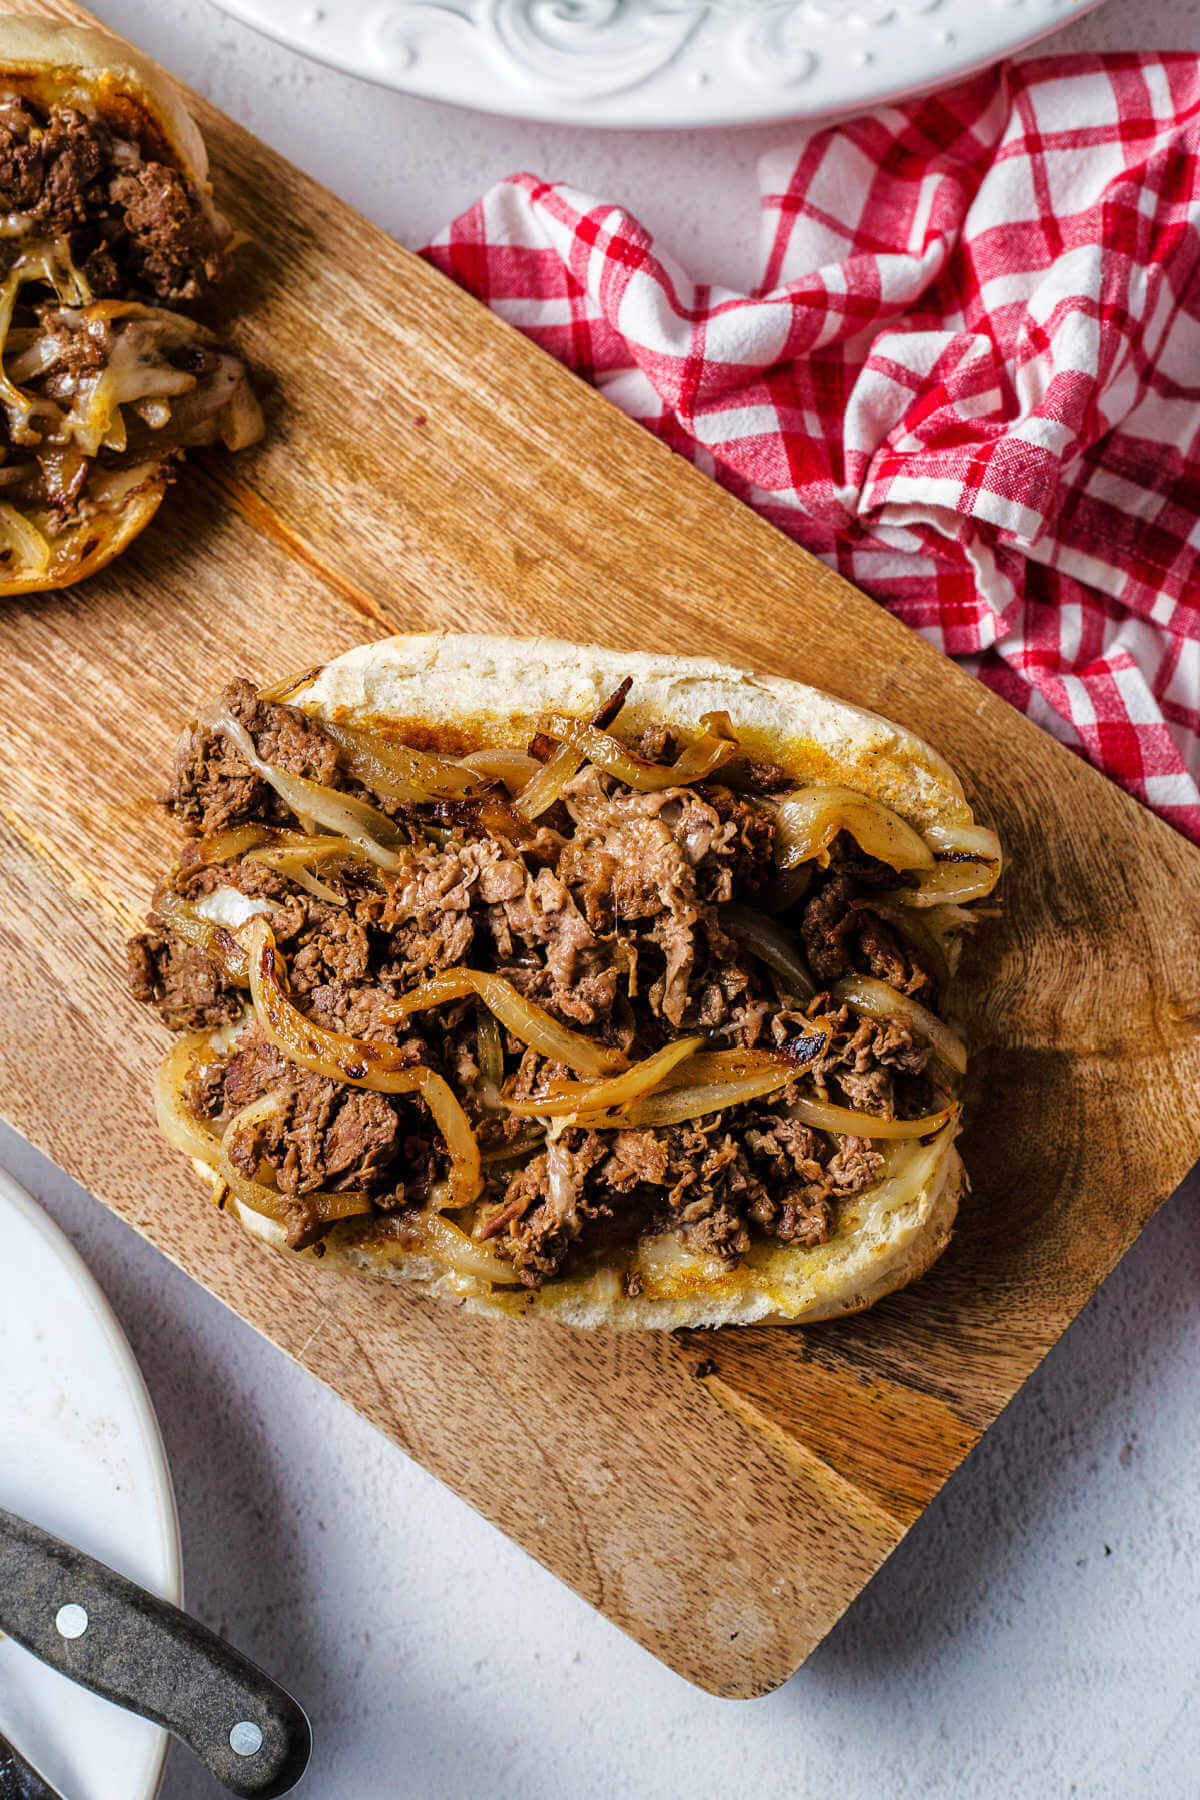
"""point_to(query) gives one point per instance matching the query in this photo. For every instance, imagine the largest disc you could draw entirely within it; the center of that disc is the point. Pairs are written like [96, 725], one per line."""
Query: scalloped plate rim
[676, 93]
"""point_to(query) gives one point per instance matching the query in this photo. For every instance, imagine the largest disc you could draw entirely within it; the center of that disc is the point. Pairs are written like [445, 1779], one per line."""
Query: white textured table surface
[1038, 1632]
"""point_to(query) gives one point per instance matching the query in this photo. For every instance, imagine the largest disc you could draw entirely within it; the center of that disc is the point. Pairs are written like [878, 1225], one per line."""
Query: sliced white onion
[451, 1246]
[822, 1115]
[808, 820]
[352, 819]
[567, 1097]
[965, 840]
[772, 945]
[880, 1001]
[953, 882]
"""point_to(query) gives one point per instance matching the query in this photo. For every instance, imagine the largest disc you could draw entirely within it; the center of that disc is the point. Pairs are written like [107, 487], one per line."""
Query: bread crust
[498, 691]
[139, 99]
[121, 83]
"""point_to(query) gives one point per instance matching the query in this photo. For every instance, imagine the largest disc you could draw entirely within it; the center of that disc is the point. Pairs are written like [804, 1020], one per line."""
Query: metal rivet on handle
[71, 1620]
[246, 1738]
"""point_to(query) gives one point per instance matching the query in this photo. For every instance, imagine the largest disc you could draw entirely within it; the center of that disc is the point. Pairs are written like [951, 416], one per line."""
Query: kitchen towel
[969, 379]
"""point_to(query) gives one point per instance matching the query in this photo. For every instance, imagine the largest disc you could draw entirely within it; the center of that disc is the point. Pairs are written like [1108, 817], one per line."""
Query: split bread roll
[456, 694]
[109, 228]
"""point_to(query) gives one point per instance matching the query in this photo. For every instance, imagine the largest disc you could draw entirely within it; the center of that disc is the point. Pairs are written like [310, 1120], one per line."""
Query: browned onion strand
[543, 789]
[878, 1000]
[515, 768]
[290, 685]
[950, 883]
[711, 751]
[236, 840]
[772, 945]
[808, 820]
[843, 1121]
[567, 1097]
[448, 1244]
[400, 773]
[491, 1049]
[711, 1082]
[522, 1017]
[215, 941]
[340, 1057]
[975, 842]
[363, 824]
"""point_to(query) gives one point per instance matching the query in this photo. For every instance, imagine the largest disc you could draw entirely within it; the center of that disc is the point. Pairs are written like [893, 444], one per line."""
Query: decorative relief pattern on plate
[658, 62]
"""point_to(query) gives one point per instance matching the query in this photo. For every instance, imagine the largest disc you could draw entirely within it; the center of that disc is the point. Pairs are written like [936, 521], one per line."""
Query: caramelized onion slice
[448, 1244]
[542, 790]
[822, 1115]
[809, 819]
[715, 746]
[524, 1018]
[28, 549]
[973, 841]
[176, 1120]
[215, 941]
[180, 1126]
[411, 776]
[340, 1057]
[953, 882]
[772, 945]
[566, 1097]
[295, 863]
[362, 824]
[711, 1082]
[880, 1001]
[235, 840]
[515, 768]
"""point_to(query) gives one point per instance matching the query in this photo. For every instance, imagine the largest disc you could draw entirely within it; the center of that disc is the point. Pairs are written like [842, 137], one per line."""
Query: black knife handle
[19, 1780]
[130, 1647]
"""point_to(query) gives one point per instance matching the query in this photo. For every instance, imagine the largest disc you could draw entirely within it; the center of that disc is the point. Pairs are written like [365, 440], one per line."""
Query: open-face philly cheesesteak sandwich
[107, 230]
[604, 987]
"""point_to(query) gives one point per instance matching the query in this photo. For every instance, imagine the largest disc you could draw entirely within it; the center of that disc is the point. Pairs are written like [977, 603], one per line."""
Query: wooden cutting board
[721, 1497]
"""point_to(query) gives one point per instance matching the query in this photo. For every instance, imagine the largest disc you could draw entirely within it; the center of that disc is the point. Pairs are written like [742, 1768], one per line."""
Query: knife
[132, 1648]
[19, 1780]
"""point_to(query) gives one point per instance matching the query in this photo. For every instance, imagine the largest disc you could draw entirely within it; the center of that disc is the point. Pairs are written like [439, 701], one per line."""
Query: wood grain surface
[721, 1497]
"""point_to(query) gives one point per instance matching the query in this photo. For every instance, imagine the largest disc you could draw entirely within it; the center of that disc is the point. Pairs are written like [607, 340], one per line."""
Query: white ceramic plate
[659, 63]
[80, 1454]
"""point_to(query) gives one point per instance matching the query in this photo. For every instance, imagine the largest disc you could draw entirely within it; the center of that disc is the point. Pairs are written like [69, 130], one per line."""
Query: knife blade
[130, 1647]
[19, 1780]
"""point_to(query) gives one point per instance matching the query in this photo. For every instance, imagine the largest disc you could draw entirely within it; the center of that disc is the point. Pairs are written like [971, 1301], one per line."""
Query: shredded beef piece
[173, 249]
[854, 1165]
[841, 934]
[546, 1206]
[871, 1061]
[252, 1071]
[324, 1136]
[189, 992]
[136, 225]
[212, 787]
[609, 916]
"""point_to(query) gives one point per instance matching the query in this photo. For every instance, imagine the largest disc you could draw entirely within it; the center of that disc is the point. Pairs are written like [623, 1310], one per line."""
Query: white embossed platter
[659, 63]
[80, 1454]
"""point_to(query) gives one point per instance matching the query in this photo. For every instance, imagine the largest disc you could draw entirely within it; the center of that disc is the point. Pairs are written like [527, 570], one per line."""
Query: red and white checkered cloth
[970, 379]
